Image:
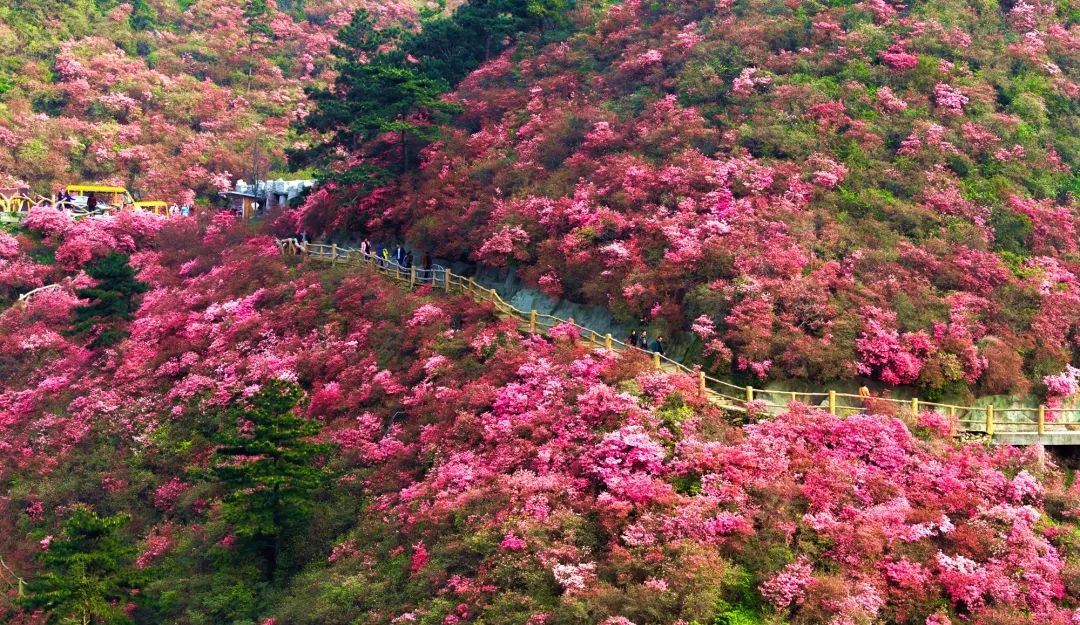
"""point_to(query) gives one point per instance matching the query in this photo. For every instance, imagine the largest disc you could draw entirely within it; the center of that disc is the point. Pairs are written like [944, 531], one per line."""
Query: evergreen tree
[112, 300]
[375, 93]
[142, 16]
[89, 572]
[265, 464]
[393, 81]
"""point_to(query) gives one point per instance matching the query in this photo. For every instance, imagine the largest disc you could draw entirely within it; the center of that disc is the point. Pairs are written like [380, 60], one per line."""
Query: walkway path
[1018, 426]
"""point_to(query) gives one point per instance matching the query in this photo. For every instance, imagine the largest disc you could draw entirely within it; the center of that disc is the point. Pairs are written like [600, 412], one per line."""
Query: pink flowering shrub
[51, 222]
[9, 246]
[949, 98]
[788, 587]
[487, 460]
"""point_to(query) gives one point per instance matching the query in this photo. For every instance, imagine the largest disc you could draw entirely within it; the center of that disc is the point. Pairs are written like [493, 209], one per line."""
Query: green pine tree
[112, 300]
[266, 466]
[88, 572]
[375, 93]
[142, 16]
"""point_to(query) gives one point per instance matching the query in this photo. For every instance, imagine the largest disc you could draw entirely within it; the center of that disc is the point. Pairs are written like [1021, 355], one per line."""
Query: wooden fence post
[914, 405]
[607, 341]
[532, 321]
[412, 276]
[447, 274]
[990, 421]
[832, 402]
[1042, 420]
[656, 359]
[700, 381]
[333, 254]
[750, 393]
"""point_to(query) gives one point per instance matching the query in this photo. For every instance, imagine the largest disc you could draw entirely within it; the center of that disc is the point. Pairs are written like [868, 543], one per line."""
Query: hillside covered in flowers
[169, 98]
[459, 472]
[820, 190]
[197, 429]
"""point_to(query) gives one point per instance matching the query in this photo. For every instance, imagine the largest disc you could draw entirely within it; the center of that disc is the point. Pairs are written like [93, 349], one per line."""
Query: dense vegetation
[279, 443]
[827, 189]
[175, 98]
[197, 430]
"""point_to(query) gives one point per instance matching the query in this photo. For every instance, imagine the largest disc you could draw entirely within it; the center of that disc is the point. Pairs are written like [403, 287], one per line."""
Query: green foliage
[255, 14]
[401, 90]
[267, 466]
[88, 573]
[111, 301]
[142, 16]
[375, 93]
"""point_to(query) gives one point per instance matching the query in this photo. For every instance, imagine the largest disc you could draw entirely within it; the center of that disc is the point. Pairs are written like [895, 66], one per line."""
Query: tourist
[91, 201]
[864, 397]
[385, 256]
[632, 340]
[657, 345]
[399, 255]
[185, 210]
[365, 248]
[425, 266]
[408, 260]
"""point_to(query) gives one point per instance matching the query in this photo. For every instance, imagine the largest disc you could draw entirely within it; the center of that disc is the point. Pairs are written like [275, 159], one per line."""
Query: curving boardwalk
[1016, 426]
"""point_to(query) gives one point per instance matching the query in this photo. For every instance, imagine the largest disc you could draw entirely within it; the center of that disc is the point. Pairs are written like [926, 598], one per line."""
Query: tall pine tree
[89, 574]
[375, 93]
[266, 464]
[111, 301]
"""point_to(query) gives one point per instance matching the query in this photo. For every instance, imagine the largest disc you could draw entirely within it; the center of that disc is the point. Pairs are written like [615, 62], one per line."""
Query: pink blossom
[420, 557]
[510, 542]
[704, 328]
[427, 314]
[165, 496]
[898, 58]
[748, 80]
[789, 585]
[574, 578]
[9, 246]
[949, 98]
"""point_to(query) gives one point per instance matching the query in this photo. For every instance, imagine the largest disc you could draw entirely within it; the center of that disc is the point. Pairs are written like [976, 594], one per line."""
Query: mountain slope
[828, 189]
[473, 475]
[170, 98]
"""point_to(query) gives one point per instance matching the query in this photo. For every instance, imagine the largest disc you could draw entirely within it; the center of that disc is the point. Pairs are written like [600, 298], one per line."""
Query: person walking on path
[399, 255]
[632, 340]
[91, 202]
[657, 345]
[386, 256]
[425, 265]
[864, 397]
[365, 247]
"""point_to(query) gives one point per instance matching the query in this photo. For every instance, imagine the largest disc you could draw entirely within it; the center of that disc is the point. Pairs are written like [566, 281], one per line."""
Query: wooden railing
[17, 206]
[1011, 424]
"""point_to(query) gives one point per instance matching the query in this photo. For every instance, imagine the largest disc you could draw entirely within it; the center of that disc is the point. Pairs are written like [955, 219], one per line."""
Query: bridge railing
[984, 420]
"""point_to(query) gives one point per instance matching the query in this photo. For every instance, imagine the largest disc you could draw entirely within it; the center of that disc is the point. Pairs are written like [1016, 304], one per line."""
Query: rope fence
[982, 420]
